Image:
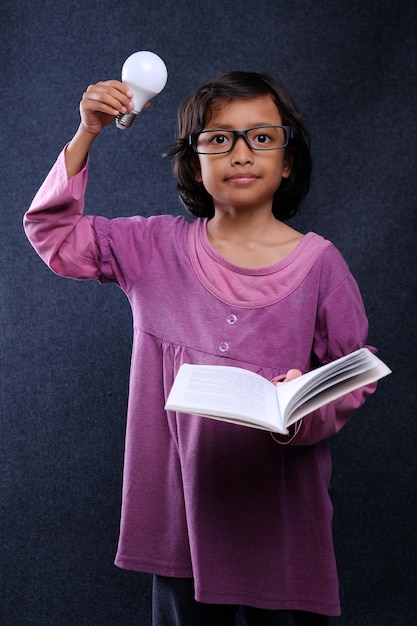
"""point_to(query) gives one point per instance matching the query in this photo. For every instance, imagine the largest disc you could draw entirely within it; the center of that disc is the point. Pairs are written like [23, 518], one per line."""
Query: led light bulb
[146, 75]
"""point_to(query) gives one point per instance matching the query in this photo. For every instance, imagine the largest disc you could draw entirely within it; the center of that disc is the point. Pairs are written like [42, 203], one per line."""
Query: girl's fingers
[109, 97]
[292, 374]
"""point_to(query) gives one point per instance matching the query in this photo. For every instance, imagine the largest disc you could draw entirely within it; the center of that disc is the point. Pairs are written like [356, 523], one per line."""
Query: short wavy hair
[193, 114]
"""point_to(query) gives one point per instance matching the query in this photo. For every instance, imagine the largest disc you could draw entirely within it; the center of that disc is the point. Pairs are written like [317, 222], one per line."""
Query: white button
[232, 319]
[224, 346]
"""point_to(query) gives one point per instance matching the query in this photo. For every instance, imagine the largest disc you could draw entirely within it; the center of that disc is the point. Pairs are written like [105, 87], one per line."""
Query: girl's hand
[102, 102]
[291, 375]
[99, 106]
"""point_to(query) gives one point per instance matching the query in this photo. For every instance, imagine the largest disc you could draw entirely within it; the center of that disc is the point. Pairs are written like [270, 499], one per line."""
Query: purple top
[246, 514]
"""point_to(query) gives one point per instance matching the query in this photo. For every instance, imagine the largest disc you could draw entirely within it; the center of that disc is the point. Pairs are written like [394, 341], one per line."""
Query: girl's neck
[250, 240]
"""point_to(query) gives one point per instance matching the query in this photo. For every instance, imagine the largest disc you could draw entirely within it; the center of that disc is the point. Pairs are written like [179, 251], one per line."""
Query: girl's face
[243, 178]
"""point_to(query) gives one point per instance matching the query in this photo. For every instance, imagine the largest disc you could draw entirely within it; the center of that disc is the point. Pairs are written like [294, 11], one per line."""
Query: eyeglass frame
[192, 138]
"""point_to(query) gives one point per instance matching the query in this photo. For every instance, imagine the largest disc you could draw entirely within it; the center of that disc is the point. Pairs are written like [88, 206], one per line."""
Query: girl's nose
[241, 152]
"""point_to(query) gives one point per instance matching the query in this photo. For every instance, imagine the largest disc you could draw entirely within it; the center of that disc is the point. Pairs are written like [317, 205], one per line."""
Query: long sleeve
[341, 328]
[56, 227]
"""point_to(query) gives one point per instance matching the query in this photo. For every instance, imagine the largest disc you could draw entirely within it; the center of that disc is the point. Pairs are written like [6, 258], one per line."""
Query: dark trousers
[173, 604]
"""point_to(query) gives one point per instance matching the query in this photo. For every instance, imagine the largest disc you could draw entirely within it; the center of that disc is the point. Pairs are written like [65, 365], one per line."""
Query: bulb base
[125, 120]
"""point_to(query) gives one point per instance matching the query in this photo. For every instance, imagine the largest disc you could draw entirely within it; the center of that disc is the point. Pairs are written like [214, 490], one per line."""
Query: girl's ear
[286, 170]
[196, 166]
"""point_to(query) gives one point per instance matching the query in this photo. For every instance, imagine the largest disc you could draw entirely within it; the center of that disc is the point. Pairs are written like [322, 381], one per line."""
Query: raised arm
[54, 223]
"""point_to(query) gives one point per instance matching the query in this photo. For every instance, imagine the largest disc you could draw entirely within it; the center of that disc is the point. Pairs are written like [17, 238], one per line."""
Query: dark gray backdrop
[65, 345]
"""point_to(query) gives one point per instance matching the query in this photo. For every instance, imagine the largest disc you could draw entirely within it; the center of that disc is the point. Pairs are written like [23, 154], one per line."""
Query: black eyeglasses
[219, 141]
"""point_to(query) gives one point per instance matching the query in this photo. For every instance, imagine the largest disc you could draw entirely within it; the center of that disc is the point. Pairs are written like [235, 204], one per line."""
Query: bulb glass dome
[146, 75]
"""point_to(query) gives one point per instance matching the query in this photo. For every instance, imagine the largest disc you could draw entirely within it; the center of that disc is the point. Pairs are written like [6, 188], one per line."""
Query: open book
[237, 395]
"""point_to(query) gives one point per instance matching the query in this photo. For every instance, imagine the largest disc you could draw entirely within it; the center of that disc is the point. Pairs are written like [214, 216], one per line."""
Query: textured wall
[65, 345]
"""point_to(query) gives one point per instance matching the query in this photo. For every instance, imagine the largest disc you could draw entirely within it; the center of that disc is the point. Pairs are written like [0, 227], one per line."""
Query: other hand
[102, 102]
[291, 375]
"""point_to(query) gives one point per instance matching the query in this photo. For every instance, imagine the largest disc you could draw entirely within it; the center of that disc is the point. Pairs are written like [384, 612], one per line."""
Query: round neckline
[250, 288]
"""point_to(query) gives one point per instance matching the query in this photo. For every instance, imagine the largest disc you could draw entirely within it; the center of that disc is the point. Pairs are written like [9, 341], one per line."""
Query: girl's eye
[262, 139]
[219, 139]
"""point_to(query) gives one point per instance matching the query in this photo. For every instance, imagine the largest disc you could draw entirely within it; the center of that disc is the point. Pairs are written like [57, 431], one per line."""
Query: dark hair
[192, 117]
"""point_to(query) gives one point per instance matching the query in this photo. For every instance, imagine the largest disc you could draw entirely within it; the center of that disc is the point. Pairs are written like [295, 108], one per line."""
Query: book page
[228, 393]
[302, 389]
[329, 382]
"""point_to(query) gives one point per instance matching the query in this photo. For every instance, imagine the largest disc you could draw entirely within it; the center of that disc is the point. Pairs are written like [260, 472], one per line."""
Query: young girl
[222, 516]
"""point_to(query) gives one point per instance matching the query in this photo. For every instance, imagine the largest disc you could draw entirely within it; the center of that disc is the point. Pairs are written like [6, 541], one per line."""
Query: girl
[222, 516]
